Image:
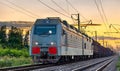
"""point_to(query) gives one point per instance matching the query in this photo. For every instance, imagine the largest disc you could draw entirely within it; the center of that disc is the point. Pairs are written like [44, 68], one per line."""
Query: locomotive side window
[45, 30]
[85, 45]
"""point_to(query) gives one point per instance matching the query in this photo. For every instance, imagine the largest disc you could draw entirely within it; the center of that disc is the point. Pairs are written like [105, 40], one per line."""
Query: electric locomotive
[53, 40]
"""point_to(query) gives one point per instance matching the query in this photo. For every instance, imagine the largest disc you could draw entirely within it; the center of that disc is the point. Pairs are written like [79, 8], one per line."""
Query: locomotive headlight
[50, 32]
[52, 43]
[36, 43]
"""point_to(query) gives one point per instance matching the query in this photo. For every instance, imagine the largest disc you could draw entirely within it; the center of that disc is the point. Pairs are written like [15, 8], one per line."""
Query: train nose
[44, 55]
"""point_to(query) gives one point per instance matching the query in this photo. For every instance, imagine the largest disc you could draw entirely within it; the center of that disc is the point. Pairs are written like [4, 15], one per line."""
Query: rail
[27, 67]
[40, 66]
[104, 66]
[94, 64]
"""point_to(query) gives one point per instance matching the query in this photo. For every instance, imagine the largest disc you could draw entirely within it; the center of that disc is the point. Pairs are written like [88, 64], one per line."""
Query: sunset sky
[30, 10]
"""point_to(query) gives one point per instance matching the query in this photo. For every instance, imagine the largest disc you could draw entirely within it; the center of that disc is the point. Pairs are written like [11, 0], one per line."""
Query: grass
[14, 52]
[14, 57]
[118, 64]
[7, 61]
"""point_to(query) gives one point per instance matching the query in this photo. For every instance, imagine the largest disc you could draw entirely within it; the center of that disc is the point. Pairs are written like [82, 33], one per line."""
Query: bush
[21, 61]
[14, 57]
[14, 52]
[4, 63]
[13, 61]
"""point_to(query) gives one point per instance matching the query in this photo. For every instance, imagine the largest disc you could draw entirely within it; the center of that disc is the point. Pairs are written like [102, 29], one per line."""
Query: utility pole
[78, 19]
[78, 22]
[106, 44]
[103, 40]
[96, 35]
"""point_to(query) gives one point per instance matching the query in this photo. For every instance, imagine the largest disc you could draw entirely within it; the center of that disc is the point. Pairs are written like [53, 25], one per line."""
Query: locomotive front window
[45, 29]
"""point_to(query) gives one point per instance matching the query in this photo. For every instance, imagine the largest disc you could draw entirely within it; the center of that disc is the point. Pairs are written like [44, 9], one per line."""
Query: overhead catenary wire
[99, 10]
[100, 13]
[60, 7]
[104, 15]
[103, 12]
[83, 17]
[76, 9]
[67, 7]
[72, 6]
[22, 8]
[17, 10]
[53, 9]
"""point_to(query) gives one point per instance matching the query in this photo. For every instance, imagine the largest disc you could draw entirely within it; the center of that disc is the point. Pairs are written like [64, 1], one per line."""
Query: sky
[30, 10]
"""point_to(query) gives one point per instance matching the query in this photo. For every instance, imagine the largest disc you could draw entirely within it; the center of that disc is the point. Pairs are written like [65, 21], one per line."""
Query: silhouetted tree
[3, 36]
[26, 39]
[15, 38]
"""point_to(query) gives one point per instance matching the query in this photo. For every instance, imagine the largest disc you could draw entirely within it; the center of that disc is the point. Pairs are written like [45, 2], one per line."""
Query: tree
[26, 39]
[3, 36]
[15, 38]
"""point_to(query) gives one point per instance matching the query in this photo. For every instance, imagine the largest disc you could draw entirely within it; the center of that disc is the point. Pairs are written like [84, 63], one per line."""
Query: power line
[83, 17]
[103, 12]
[72, 6]
[53, 9]
[22, 8]
[56, 10]
[60, 7]
[76, 10]
[17, 10]
[104, 18]
[100, 13]
[67, 7]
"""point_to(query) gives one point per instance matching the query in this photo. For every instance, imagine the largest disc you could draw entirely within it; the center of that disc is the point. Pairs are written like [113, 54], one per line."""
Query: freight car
[100, 51]
[53, 40]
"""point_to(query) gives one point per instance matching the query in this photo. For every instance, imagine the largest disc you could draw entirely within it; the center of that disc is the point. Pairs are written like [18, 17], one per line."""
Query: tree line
[14, 39]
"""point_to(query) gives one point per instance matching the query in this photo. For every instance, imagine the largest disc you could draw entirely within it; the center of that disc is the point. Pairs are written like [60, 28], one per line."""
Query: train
[53, 40]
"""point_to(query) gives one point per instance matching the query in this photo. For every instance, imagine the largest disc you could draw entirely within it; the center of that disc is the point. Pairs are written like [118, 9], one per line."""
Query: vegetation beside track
[118, 64]
[14, 57]
[14, 49]
[7, 61]
[13, 52]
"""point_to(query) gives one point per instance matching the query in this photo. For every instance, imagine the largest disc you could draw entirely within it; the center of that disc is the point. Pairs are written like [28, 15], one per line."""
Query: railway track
[98, 66]
[73, 66]
[27, 67]
[31, 67]
[85, 68]
[103, 66]
[79, 66]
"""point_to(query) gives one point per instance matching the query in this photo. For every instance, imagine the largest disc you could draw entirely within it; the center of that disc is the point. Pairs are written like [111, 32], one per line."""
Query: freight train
[53, 40]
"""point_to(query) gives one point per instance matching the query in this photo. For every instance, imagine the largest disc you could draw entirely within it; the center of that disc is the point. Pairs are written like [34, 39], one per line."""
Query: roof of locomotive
[74, 28]
[57, 20]
[49, 20]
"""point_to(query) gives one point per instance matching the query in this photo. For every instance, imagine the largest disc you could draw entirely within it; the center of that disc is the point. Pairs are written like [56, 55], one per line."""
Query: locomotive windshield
[45, 30]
